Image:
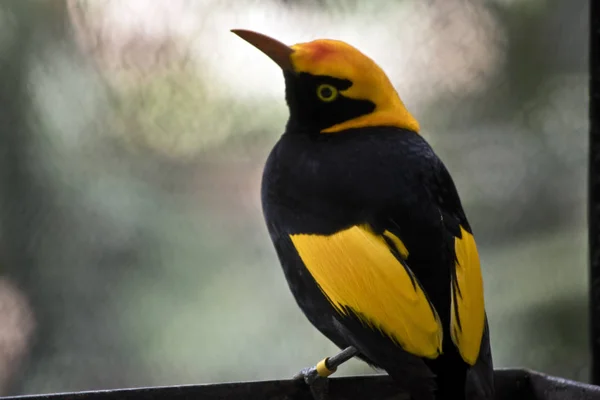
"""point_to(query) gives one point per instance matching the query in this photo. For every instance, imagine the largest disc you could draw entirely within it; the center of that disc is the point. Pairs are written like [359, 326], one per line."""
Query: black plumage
[391, 179]
[369, 227]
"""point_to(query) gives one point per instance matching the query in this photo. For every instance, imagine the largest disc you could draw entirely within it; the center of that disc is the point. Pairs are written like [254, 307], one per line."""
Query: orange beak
[277, 51]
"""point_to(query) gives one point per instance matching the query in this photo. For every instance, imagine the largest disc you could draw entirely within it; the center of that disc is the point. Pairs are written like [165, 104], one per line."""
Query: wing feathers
[468, 313]
[356, 269]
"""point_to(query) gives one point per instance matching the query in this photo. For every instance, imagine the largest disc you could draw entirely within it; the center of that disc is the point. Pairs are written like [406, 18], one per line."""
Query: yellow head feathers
[337, 59]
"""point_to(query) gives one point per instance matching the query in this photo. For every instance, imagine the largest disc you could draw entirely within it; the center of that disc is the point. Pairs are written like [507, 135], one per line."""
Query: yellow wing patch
[355, 268]
[466, 329]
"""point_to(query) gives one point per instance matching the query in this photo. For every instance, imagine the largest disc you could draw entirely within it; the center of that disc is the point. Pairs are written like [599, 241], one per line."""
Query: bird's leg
[316, 377]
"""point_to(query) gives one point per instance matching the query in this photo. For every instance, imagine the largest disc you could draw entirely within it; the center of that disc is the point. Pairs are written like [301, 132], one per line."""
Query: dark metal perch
[511, 384]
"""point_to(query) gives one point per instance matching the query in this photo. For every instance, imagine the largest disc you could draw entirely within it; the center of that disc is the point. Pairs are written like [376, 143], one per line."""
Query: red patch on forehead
[320, 49]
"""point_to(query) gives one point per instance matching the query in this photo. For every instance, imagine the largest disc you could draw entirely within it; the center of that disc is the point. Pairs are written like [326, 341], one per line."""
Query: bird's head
[331, 86]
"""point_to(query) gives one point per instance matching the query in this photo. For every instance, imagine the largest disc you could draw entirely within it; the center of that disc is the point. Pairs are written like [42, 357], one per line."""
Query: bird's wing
[467, 321]
[364, 276]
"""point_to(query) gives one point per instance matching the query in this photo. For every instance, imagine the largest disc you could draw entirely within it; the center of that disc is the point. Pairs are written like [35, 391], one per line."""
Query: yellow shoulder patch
[468, 309]
[355, 268]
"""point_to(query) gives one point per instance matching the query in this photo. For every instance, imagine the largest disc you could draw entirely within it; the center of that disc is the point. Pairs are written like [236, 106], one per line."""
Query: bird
[369, 228]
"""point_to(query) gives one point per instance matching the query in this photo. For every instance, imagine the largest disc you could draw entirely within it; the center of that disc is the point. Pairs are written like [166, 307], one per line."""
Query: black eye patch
[308, 112]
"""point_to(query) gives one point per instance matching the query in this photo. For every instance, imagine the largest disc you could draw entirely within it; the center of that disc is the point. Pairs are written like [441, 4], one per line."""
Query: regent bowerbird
[369, 227]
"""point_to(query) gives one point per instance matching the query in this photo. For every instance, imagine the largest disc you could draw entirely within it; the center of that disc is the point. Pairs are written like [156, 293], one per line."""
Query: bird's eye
[327, 93]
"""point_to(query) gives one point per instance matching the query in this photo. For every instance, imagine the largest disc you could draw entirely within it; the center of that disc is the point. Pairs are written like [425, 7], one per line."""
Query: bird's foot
[316, 380]
[316, 377]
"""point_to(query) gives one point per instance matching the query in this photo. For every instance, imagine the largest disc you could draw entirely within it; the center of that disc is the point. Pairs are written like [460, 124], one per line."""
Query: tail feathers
[480, 377]
[457, 381]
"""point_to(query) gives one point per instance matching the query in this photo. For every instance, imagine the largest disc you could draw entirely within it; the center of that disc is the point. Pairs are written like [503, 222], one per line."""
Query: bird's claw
[309, 375]
[319, 386]
[316, 377]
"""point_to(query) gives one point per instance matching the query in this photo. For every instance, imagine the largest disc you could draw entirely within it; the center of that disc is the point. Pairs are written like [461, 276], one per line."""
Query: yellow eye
[327, 93]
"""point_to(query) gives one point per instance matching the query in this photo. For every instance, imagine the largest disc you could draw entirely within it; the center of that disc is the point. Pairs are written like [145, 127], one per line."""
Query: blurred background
[132, 140]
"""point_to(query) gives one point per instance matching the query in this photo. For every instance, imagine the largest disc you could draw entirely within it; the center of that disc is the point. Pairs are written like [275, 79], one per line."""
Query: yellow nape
[467, 299]
[369, 82]
[355, 268]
